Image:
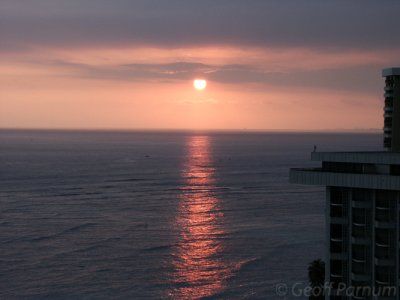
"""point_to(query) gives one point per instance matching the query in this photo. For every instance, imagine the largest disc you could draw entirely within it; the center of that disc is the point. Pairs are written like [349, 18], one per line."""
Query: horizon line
[250, 130]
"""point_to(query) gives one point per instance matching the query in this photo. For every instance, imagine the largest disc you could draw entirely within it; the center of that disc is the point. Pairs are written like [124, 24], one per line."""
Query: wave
[62, 233]
[127, 180]
[158, 248]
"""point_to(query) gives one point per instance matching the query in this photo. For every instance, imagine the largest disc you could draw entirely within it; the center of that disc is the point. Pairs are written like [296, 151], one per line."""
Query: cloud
[332, 25]
[359, 78]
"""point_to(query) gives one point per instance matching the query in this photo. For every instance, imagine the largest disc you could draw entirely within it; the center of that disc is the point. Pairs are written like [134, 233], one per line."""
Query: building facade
[363, 210]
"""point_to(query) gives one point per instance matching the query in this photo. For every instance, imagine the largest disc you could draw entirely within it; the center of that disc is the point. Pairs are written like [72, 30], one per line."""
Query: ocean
[160, 215]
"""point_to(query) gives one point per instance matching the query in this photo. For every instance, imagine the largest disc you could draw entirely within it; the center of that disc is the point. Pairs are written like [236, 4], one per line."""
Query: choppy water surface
[148, 215]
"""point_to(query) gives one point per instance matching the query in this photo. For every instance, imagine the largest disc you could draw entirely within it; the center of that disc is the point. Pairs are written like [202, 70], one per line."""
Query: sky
[130, 64]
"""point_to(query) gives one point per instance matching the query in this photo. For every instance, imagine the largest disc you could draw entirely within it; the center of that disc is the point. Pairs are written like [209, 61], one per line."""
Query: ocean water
[159, 215]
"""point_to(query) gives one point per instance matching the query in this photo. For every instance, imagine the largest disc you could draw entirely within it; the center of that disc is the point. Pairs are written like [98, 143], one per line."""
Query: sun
[199, 84]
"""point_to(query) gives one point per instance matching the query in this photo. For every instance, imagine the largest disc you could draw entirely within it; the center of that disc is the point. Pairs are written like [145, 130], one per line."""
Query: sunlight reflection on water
[199, 269]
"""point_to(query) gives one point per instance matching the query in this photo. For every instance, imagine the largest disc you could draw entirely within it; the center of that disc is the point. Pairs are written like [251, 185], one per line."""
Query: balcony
[382, 207]
[360, 231]
[388, 88]
[359, 219]
[382, 282]
[388, 109]
[384, 218]
[382, 244]
[336, 211]
[338, 256]
[360, 277]
[382, 238]
[388, 93]
[387, 134]
[358, 297]
[389, 101]
[388, 114]
[336, 277]
[359, 270]
[384, 262]
[360, 204]
[387, 130]
[336, 293]
[336, 246]
[339, 220]
[385, 224]
[383, 252]
[359, 260]
[360, 240]
[387, 142]
[359, 254]
[387, 125]
[336, 232]
[383, 213]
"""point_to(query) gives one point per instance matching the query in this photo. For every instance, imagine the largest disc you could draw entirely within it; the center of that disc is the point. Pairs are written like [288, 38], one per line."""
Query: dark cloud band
[178, 23]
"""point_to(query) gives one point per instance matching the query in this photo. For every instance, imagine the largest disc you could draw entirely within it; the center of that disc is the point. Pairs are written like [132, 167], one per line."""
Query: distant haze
[307, 65]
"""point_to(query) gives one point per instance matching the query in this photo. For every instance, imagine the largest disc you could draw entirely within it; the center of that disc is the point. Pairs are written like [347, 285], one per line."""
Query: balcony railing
[337, 211]
[360, 277]
[383, 252]
[337, 246]
[336, 276]
[388, 88]
[384, 262]
[339, 220]
[360, 204]
[385, 224]
[338, 255]
[388, 109]
[360, 240]
[360, 230]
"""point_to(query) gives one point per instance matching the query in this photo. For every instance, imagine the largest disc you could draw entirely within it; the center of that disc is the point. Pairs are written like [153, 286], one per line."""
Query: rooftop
[318, 176]
[391, 72]
[378, 157]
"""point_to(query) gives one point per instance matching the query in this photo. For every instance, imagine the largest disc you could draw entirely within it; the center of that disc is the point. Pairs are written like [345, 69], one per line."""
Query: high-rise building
[392, 109]
[363, 210]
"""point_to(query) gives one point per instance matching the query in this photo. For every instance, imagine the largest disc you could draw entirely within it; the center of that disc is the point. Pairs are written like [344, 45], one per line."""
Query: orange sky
[62, 96]
[136, 85]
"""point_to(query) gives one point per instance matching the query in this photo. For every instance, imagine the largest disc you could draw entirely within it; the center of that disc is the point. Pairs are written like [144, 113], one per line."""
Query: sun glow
[199, 84]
